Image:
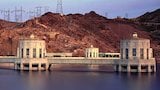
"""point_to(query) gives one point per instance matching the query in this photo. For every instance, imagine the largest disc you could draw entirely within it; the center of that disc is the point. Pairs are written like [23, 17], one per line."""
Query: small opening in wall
[134, 67]
[34, 65]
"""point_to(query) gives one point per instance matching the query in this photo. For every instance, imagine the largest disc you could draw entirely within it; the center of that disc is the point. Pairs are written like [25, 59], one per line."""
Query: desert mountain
[150, 17]
[71, 33]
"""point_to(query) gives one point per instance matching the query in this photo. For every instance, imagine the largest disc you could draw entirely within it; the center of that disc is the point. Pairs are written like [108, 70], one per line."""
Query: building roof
[135, 37]
[31, 37]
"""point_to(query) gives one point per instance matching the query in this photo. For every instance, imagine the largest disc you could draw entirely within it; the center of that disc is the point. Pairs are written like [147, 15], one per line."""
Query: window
[126, 53]
[134, 52]
[27, 52]
[34, 52]
[90, 54]
[121, 53]
[40, 53]
[107, 56]
[22, 52]
[43, 54]
[117, 56]
[147, 53]
[94, 54]
[141, 53]
[126, 44]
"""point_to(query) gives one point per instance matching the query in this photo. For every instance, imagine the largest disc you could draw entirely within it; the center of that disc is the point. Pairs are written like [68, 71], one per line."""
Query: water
[58, 80]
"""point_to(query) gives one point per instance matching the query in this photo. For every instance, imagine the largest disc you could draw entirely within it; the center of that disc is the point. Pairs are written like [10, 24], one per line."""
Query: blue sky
[114, 8]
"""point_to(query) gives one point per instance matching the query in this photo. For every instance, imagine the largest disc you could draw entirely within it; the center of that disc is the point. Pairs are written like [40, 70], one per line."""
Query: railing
[7, 60]
[137, 61]
[82, 58]
[101, 62]
[71, 58]
[8, 57]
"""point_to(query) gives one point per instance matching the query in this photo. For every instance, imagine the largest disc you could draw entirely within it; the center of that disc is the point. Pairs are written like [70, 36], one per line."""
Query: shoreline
[72, 68]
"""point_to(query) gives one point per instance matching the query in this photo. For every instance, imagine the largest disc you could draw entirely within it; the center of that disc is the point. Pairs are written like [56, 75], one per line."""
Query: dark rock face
[150, 17]
[150, 22]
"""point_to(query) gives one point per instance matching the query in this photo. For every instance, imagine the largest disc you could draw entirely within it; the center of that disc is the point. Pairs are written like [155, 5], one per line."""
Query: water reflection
[138, 81]
[34, 80]
[57, 80]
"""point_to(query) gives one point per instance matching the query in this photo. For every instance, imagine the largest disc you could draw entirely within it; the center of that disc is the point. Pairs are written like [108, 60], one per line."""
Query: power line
[46, 9]
[18, 14]
[38, 11]
[6, 14]
[126, 15]
[31, 14]
[1, 11]
[106, 14]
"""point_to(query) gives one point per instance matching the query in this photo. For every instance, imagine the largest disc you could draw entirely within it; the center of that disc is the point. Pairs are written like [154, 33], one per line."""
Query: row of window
[134, 53]
[104, 55]
[101, 55]
[34, 53]
[90, 54]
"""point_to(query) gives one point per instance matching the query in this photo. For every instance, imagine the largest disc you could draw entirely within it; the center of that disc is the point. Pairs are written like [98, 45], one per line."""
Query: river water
[60, 80]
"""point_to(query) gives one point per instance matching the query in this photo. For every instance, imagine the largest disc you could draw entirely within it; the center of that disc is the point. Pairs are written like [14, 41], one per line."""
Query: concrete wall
[32, 44]
[92, 52]
[137, 54]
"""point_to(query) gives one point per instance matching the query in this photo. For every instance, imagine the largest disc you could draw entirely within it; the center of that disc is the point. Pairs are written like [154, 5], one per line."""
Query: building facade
[136, 55]
[31, 54]
[92, 52]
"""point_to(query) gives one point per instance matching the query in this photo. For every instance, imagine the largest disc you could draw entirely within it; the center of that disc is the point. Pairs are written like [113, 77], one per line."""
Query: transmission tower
[6, 14]
[59, 7]
[38, 11]
[126, 15]
[46, 9]
[31, 14]
[1, 12]
[18, 14]
[106, 14]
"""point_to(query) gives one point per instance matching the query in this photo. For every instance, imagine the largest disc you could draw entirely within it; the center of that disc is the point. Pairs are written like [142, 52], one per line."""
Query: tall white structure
[32, 52]
[92, 52]
[59, 7]
[136, 55]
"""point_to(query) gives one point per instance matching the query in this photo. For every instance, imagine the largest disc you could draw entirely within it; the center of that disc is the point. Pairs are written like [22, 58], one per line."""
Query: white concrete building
[31, 54]
[136, 55]
[92, 52]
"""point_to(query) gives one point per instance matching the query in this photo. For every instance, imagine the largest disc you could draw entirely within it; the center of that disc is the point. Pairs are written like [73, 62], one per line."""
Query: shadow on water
[60, 80]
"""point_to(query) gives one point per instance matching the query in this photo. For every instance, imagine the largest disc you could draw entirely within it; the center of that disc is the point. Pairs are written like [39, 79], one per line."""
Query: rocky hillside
[5, 24]
[150, 17]
[150, 22]
[71, 33]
